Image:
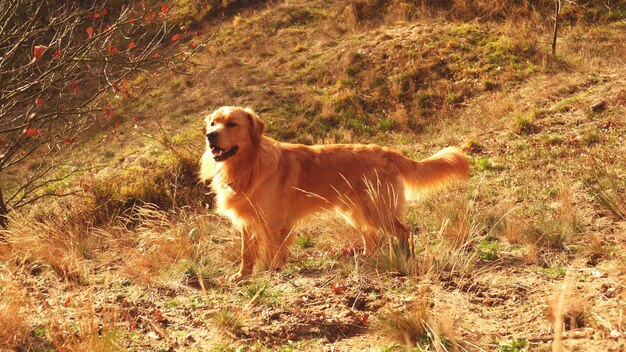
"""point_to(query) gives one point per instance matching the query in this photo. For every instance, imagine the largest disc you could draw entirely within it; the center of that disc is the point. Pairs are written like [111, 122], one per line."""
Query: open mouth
[220, 154]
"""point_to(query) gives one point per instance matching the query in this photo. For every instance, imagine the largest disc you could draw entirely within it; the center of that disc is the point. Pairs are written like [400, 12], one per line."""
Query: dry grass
[419, 325]
[50, 243]
[14, 324]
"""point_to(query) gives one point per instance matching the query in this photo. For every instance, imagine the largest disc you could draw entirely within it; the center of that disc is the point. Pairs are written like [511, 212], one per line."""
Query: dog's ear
[257, 126]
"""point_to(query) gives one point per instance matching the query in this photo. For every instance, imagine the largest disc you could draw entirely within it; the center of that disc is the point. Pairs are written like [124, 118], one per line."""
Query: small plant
[489, 85]
[453, 98]
[408, 327]
[524, 124]
[414, 327]
[229, 320]
[305, 241]
[258, 291]
[484, 163]
[472, 146]
[489, 249]
[552, 139]
[514, 346]
[608, 190]
[590, 137]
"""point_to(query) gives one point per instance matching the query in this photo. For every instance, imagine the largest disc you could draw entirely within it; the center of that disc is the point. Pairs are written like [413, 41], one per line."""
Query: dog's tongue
[217, 151]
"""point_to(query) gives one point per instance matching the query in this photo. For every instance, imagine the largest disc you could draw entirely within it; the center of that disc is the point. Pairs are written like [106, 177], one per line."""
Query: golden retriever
[266, 187]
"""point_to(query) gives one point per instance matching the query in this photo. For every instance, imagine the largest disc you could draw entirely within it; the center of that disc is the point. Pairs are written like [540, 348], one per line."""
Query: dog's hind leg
[384, 207]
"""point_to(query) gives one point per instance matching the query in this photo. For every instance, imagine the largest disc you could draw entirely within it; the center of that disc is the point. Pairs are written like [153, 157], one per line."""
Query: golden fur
[266, 187]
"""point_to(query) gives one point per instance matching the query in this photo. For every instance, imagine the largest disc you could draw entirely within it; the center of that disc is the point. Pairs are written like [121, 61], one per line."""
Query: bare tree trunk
[557, 4]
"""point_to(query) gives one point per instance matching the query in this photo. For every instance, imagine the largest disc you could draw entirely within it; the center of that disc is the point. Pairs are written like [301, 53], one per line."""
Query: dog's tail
[447, 165]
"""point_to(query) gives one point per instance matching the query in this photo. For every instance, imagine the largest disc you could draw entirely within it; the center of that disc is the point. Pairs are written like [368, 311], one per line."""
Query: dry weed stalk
[14, 325]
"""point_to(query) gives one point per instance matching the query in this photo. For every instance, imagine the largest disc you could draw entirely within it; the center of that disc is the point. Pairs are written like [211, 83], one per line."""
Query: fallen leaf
[158, 315]
[113, 50]
[338, 288]
[38, 102]
[55, 53]
[39, 50]
[89, 31]
[32, 132]
[175, 37]
[69, 140]
[164, 9]
[108, 113]
[132, 45]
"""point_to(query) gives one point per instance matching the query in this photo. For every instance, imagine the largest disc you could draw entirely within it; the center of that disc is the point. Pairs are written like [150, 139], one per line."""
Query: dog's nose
[211, 136]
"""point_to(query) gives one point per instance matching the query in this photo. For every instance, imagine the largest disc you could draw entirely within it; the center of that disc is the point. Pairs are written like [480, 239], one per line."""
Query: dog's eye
[212, 123]
[231, 124]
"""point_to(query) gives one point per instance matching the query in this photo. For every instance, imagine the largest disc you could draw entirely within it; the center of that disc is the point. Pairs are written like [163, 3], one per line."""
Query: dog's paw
[233, 279]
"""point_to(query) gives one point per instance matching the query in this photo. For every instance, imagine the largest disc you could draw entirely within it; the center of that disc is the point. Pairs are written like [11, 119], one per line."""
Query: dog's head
[232, 132]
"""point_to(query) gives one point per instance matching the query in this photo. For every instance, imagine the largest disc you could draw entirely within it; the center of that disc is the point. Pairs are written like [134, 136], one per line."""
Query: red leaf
[164, 9]
[96, 15]
[39, 50]
[184, 28]
[68, 301]
[338, 288]
[104, 12]
[175, 37]
[69, 140]
[32, 132]
[38, 102]
[150, 16]
[194, 44]
[156, 56]
[197, 323]
[158, 315]
[143, 5]
[55, 53]
[365, 317]
[89, 16]
[108, 113]
[75, 87]
[132, 45]
[89, 31]
[131, 20]
[116, 87]
[113, 50]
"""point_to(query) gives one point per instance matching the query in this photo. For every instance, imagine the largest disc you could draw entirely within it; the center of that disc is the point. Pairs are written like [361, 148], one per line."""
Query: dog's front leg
[249, 254]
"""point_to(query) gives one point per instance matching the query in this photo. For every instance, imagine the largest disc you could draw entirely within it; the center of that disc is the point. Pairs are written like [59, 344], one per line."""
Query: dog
[267, 187]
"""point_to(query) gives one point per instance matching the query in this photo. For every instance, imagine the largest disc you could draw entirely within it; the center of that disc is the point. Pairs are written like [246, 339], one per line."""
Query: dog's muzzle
[220, 154]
